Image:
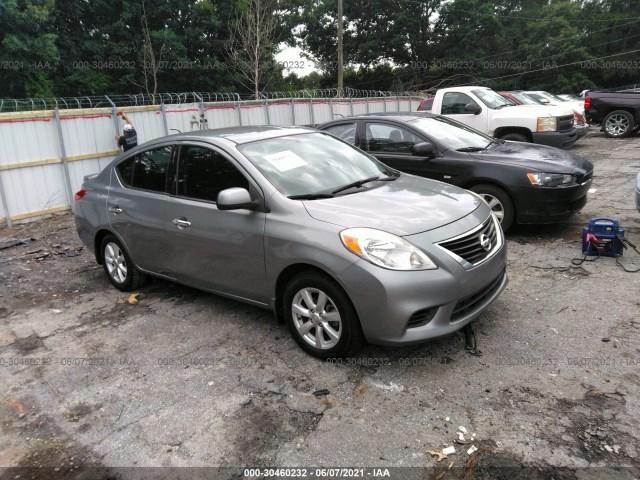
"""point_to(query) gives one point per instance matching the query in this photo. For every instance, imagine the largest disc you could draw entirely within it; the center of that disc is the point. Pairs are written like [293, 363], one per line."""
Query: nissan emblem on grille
[485, 242]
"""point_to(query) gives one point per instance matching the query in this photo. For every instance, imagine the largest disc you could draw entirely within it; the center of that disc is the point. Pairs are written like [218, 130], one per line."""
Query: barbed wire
[143, 99]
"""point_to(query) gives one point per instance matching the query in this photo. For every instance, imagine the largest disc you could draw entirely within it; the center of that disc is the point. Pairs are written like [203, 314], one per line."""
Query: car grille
[472, 302]
[565, 123]
[468, 247]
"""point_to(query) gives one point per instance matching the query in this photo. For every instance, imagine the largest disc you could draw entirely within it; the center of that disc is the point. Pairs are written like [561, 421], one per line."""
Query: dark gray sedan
[339, 246]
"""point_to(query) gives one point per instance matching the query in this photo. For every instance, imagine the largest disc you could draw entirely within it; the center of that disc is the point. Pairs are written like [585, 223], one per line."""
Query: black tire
[618, 124]
[120, 270]
[499, 202]
[516, 137]
[311, 330]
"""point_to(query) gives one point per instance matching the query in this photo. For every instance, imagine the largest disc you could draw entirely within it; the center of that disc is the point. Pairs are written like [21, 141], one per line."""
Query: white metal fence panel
[221, 115]
[342, 108]
[45, 155]
[253, 113]
[302, 112]
[87, 133]
[35, 190]
[28, 139]
[181, 118]
[280, 112]
[321, 111]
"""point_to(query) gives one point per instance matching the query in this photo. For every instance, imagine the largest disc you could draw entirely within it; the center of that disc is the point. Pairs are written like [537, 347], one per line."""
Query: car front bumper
[556, 139]
[549, 204]
[581, 130]
[407, 307]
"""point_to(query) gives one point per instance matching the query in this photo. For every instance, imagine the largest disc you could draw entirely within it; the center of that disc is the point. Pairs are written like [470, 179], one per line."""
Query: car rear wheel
[320, 316]
[118, 266]
[618, 124]
[516, 137]
[499, 203]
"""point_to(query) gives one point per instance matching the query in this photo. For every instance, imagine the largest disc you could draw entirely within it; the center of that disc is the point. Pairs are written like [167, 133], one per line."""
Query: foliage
[80, 47]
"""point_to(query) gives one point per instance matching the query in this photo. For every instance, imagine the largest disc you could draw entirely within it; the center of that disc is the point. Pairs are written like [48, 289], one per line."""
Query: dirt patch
[261, 426]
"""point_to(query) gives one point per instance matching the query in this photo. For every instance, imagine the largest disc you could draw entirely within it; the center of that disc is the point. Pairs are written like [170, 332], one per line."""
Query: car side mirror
[472, 108]
[424, 149]
[234, 199]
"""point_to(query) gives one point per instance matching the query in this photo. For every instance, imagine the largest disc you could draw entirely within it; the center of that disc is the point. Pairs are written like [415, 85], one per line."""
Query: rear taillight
[79, 195]
[587, 102]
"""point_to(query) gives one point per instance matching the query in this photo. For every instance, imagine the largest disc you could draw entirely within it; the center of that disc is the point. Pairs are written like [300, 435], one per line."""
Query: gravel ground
[184, 382]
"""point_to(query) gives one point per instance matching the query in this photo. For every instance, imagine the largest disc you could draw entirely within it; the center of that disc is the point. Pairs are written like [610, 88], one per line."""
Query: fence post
[293, 112]
[351, 105]
[398, 99]
[313, 117]
[266, 104]
[331, 108]
[5, 205]
[114, 112]
[239, 112]
[163, 113]
[63, 155]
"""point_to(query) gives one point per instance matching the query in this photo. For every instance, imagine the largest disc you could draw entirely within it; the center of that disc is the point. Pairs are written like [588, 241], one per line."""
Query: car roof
[240, 135]
[401, 116]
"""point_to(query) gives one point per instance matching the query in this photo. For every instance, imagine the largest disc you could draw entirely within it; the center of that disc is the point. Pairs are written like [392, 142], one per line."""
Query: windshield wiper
[311, 196]
[471, 149]
[359, 183]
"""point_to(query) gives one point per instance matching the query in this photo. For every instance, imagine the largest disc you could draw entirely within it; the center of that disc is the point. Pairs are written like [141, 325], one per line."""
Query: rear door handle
[115, 209]
[181, 222]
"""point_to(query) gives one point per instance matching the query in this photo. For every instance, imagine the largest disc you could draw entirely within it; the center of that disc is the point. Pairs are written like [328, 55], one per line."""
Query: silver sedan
[342, 248]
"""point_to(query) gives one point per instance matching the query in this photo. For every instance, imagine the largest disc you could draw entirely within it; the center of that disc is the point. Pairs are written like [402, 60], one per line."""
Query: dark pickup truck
[617, 112]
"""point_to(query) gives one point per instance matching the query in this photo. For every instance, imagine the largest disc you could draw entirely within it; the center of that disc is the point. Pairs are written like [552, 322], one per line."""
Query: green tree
[28, 52]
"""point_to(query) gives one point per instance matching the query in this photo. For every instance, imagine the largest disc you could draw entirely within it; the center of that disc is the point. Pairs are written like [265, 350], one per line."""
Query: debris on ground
[441, 456]
[133, 299]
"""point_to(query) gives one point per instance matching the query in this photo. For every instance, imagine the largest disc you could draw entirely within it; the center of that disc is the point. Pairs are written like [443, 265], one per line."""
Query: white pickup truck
[485, 110]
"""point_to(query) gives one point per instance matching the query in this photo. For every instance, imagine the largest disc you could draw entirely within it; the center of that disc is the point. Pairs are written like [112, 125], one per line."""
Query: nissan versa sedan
[341, 247]
[521, 182]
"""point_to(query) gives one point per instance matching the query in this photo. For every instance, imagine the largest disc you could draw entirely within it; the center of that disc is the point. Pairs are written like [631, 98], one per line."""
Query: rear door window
[344, 131]
[147, 170]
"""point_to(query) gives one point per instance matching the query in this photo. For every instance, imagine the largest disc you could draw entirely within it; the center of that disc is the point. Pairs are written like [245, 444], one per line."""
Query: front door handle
[181, 222]
[115, 209]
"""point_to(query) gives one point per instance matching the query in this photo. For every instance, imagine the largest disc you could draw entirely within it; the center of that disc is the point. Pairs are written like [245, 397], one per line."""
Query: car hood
[537, 157]
[531, 111]
[405, 206]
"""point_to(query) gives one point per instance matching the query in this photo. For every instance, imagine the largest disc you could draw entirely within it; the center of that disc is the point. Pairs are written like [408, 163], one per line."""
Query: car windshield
[525, 99]
[491, 99]
[451, 133]
[554, 98]
[313, 164]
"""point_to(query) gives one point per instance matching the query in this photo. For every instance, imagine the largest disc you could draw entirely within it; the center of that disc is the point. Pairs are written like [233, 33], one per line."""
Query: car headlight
[549, 179]
[385, 249]
[547, 124]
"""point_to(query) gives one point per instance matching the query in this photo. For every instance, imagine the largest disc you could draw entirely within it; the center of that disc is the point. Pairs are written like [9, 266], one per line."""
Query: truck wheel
[515, 137]
[499, 202]
[618, 124]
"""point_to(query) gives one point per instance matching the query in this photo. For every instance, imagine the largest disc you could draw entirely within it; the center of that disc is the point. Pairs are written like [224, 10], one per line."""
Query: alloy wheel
[316, 318]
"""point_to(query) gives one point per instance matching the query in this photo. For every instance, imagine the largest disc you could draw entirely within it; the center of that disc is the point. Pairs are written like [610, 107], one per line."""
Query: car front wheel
[499, 203]
[118, 265]
[320, 316]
